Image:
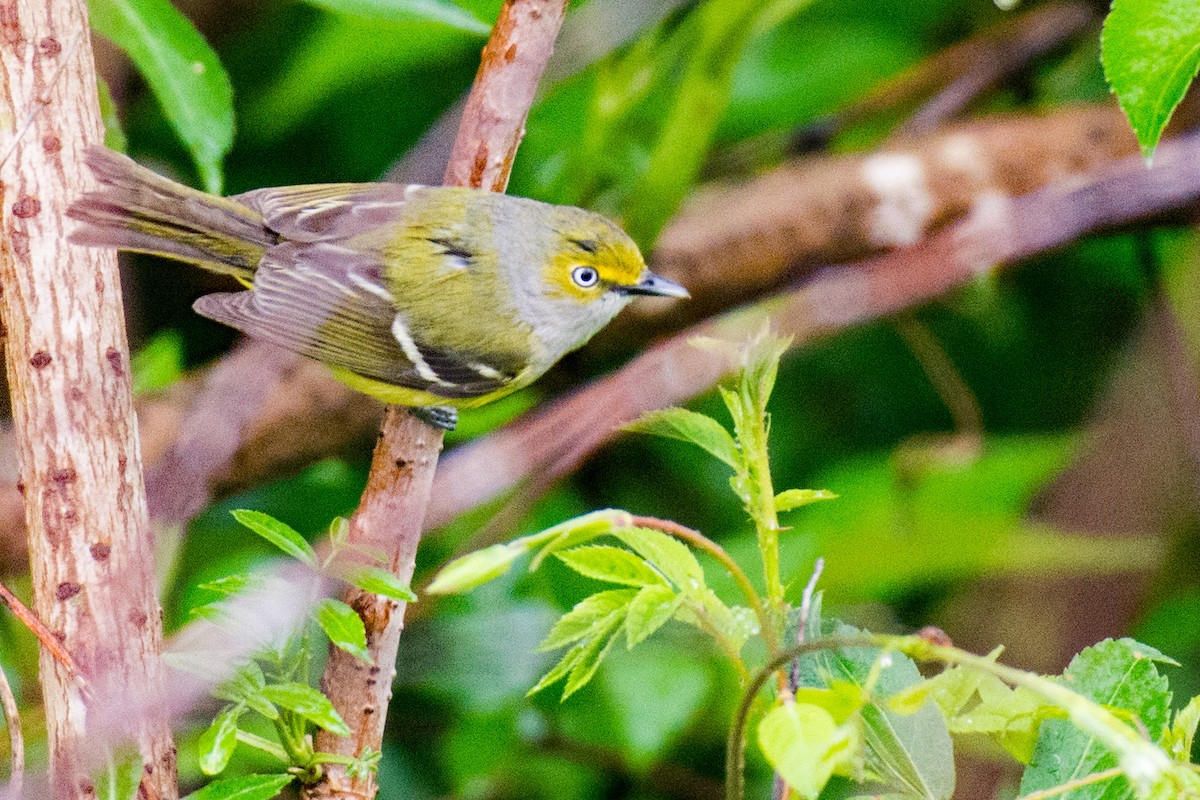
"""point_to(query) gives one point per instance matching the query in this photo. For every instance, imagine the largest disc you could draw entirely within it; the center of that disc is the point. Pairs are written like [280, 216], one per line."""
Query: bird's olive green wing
[322, 212]
[327, 303]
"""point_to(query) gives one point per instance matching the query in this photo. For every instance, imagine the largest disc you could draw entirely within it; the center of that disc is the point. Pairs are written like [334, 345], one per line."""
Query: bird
[433, 297]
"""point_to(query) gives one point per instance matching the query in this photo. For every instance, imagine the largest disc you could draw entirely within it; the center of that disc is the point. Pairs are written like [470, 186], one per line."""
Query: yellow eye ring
[585, 277]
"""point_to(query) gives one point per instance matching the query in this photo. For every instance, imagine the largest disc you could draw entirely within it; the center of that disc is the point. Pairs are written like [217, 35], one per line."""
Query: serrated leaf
[649, 611]
[377, 580]
[797, 498]
[408, 10]
[475, 569]
[344, 627]
[579, 663]
[588, 662]
[669, 556]
[217, 743]
[703, 608]
[182, 71]
[952, 690]
[277, 533]
[559, 670]
[575, 532]
[1118, 674]
[121, 777]
[1179, 739]
[308, 703]
[1012, 716]
[804, 745]
[910, 753]
[1151, 51]
[591, 614]
[607, 563]
[762, 367]
[688, 426]
[247, 787]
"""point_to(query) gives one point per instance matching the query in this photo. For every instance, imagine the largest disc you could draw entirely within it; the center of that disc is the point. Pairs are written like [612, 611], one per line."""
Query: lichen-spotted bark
[67, 362]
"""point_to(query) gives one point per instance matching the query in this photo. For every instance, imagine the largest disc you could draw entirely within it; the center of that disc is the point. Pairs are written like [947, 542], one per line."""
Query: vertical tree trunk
[68, 369]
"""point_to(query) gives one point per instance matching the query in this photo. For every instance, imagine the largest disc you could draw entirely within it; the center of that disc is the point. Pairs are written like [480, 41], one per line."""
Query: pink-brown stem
[391, 515]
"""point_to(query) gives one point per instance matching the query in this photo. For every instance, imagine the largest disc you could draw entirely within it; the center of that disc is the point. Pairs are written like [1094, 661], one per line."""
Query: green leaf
[688, 426]
[278, 534]
[1151, 51]
[668, 555]
[1118, 674]
[230, 585]
[406, 10]
[796, 498]
[589, 661]
[246, 686]
[377, 580]
[590, 615]
[649, 611]
[475, 569]
[804, 745]
[181, 69]
[1178, 740]
[217, 743]
[344, 627]
[581, 661]
[247, 787]
[607, 563]
[121, 777]
[1011, 716]
[114, 134]
[910, 753]
[308, 703]
[159, 364]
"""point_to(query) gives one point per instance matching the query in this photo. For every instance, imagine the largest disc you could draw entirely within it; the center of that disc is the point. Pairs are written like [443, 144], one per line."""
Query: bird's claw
[444, 417]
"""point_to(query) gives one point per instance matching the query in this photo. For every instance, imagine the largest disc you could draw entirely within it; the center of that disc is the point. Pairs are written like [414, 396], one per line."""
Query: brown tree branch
[391, 515]
[68, 371]
[551, 441]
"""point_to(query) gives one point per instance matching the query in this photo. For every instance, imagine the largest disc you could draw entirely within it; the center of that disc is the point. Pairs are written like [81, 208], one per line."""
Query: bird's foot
[444, 417]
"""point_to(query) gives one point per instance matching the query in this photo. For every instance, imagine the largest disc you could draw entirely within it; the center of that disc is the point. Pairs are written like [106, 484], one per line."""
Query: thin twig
[16, 741]
[1078, 783]
[47, 638]
[942, 373]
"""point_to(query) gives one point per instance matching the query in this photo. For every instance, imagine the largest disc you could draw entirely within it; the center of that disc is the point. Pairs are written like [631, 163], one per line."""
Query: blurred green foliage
[320, 95]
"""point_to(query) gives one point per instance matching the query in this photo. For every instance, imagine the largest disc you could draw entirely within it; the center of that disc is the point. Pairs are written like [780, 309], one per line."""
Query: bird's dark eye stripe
[586, 245]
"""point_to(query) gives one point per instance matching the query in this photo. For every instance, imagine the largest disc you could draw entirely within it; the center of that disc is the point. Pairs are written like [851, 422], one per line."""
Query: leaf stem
[702, 542]
[1063, 788]
[260, 743]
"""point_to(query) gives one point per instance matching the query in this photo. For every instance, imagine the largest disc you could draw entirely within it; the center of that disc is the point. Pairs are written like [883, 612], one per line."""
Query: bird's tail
[136, 209]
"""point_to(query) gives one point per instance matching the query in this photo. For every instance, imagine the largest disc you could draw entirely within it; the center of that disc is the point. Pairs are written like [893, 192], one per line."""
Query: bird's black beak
[655, 286]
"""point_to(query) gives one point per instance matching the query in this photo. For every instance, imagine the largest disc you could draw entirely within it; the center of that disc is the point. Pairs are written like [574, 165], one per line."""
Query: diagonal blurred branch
[553, 440]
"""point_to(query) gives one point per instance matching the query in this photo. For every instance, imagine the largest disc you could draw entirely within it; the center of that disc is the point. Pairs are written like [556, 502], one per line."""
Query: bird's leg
[444, 417]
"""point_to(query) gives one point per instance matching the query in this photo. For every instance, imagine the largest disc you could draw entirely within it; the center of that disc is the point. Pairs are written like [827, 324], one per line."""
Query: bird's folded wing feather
[324, 302]
[322, 212]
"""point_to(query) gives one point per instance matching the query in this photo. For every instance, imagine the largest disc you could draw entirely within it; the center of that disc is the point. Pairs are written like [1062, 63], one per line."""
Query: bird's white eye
[585, 277]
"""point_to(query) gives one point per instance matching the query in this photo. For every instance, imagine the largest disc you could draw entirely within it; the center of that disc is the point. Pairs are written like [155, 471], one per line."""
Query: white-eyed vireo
[433, 297]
